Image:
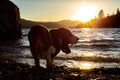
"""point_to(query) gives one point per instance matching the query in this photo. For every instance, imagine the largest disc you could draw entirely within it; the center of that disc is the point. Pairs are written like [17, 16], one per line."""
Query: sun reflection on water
[85, 29]
[86, 34]
[86, 66]
[89, 54]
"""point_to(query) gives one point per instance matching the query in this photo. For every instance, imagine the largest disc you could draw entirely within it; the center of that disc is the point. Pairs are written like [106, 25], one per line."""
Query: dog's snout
[77, 38]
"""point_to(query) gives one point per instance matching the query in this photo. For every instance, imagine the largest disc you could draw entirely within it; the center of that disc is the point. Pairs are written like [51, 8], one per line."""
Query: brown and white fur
[47, 45]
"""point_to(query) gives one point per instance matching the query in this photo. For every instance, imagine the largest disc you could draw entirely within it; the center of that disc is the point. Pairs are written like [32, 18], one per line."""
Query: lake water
[96, 48]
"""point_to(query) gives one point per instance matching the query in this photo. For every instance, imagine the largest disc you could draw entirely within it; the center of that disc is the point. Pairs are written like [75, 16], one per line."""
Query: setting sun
[85, 13]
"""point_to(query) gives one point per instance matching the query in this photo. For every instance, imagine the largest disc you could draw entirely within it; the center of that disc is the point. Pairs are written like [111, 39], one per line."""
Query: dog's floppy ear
[55, 38]
[62, 40]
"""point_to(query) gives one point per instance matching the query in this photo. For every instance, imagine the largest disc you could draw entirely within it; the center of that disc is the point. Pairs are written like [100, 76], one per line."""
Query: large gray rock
[10, 24]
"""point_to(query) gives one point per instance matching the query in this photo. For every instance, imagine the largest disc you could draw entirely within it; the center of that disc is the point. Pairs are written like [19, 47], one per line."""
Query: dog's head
[64, 37]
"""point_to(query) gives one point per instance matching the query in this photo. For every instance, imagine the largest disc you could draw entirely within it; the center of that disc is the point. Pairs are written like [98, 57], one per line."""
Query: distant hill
[69, 23]
[63, 23]
[27, 23]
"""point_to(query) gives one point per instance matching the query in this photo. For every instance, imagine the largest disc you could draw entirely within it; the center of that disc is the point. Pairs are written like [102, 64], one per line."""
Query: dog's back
[40, 43]
[39, 35]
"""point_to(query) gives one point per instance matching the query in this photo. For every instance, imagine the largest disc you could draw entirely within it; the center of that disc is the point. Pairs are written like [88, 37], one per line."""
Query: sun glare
[85, 13]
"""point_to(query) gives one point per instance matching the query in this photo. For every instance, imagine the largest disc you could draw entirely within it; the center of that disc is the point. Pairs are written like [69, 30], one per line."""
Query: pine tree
[118, 11]
[101, 14]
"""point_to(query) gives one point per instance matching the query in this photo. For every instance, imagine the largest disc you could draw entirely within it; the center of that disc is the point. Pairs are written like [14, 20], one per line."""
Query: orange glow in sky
[56, 10]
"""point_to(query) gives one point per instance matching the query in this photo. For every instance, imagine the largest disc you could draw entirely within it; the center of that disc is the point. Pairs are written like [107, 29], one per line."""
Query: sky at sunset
[56, 10]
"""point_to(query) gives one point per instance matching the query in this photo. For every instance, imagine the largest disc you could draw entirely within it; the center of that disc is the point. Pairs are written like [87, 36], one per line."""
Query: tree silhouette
[118, 11]
[101, 14]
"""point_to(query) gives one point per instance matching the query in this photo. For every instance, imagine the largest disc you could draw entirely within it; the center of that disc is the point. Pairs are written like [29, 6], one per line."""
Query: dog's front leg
[49, 61]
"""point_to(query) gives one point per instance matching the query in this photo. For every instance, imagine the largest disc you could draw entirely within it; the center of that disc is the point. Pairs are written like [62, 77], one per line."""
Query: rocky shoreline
[11, 70]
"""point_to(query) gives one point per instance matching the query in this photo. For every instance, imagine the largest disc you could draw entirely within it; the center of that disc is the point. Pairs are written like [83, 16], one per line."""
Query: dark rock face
[10, 24]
